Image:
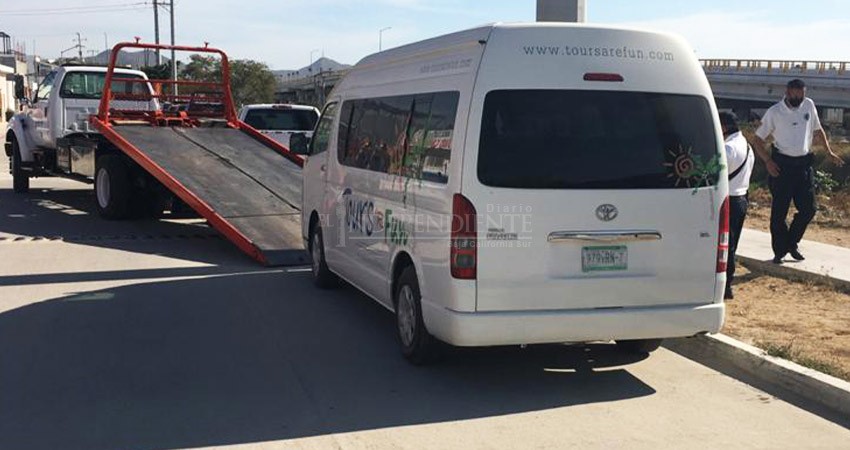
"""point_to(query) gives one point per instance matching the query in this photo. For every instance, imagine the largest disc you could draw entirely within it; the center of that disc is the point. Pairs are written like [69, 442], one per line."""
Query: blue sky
[283, 33]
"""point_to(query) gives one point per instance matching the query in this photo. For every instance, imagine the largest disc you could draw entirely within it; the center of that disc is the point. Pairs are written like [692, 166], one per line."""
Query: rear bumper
[539, 327]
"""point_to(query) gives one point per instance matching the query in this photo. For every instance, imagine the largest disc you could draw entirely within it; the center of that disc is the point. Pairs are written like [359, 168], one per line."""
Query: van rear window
[563, 139]
[282, 119]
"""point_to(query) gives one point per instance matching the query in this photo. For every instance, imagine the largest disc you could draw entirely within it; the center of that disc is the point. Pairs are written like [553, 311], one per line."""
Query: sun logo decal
[682, 167]
[690, 170]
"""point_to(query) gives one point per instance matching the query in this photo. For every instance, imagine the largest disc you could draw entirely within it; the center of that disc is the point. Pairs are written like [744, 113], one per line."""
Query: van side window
[322, 137]
[431, 133]
[407, 135]
[377, 133]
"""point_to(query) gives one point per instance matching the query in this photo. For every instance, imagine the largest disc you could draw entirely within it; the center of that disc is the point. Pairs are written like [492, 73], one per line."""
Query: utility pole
[156, 29]
[381, 37]
[173, 58]
[80, 45]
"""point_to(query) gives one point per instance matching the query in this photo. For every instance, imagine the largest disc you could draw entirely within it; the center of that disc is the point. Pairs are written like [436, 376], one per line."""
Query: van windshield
[561, 139]
[282, 119]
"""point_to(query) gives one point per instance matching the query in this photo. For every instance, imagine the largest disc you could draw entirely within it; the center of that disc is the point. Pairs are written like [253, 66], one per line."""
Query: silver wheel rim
[102, 188]
[406, 315]
[316, 252]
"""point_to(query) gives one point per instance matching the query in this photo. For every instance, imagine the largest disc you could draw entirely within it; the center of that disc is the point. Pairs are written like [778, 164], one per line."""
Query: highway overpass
[750, 86]
[746, 86]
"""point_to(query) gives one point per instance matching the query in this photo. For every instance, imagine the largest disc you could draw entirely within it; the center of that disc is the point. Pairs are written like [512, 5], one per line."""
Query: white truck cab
[279, 121]
[523, 184]
[52, 136]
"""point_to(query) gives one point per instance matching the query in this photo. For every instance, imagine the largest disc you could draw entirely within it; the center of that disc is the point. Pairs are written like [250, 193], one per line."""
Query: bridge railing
[777, 66]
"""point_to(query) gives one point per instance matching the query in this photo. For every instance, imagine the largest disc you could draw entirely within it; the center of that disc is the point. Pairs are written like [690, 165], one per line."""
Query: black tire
[113, 190]
[640, 346]
[417, 345]
[20, 179]
[322, 275]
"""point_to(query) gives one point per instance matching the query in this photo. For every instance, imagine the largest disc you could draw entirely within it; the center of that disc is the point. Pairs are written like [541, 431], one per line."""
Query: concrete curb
[774, 375]
[789, 272]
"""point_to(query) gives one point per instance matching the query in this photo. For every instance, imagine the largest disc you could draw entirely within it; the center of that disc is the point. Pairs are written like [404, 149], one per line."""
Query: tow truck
[145, 143]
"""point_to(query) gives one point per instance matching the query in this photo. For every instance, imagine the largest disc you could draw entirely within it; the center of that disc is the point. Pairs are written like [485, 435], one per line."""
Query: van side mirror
[299, 144]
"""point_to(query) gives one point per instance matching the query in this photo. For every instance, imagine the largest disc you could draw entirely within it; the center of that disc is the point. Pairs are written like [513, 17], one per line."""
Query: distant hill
[320, 65]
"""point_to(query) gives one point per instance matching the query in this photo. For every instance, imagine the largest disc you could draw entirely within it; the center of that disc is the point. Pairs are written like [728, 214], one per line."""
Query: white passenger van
[524, 183]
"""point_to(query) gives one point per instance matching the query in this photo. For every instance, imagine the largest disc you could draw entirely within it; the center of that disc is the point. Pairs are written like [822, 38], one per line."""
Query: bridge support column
[562, 10]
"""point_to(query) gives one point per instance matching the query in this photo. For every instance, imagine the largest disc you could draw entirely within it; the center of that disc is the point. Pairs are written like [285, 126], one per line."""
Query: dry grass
[805, 323]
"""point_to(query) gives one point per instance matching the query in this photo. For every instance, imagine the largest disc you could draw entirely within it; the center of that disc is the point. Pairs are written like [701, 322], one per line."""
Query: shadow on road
[70, 215]
[256, 357]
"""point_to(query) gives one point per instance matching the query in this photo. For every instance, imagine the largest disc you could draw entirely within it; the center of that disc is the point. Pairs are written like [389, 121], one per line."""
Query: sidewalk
[823, 261]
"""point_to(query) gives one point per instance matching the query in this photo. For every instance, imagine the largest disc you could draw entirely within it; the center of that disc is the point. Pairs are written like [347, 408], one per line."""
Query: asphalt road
[160, 335]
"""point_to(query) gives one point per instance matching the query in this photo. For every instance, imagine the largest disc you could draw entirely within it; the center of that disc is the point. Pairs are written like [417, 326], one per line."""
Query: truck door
[40, 110]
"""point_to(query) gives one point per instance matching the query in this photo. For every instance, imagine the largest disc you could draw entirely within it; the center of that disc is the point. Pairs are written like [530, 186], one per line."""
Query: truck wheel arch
[17, 130]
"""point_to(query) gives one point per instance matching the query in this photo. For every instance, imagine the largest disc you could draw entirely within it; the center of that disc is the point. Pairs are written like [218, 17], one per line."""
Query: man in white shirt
[740, 160]
[795, 126]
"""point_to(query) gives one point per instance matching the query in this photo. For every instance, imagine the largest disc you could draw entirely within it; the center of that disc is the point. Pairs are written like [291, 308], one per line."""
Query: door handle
[603, 236]
[323, 167]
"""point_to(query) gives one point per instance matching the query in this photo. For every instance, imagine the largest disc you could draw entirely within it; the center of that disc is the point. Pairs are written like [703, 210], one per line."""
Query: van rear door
[595, 199]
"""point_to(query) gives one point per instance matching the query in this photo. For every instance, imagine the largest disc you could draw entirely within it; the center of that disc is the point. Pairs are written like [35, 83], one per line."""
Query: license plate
[604, 259]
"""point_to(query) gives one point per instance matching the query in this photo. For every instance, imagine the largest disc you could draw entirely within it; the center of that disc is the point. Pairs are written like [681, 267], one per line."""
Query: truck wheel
[417, 345]
[640, 346]
[112, 188]
[322, 275]
[20, 179]
[148, 205]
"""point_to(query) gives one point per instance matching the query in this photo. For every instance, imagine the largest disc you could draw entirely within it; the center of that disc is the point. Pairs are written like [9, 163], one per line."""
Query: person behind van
[794, 125]
[740, 160]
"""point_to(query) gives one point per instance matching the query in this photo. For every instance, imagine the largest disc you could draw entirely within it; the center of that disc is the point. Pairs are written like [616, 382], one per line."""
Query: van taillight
[723, 237]
[464, 250]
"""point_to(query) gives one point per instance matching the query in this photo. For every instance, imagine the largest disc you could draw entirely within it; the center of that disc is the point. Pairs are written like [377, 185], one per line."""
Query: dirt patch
[806, 323]
[830, 226]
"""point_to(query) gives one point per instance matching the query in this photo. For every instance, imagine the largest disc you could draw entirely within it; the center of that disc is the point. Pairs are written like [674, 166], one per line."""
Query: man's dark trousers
[795, 182]
[737, 212]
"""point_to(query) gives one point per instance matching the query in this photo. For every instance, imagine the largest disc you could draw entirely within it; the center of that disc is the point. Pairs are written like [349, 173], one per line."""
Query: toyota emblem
[606, 213]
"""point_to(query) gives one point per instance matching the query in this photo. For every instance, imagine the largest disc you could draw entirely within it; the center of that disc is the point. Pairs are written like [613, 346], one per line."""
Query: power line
[74, 8]
[138, 6]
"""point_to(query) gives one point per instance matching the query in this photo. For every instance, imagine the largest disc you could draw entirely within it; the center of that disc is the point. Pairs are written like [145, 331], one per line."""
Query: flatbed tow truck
[245, 184]
[175, 139]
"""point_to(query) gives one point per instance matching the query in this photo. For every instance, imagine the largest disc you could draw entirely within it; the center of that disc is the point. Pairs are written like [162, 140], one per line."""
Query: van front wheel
[417, 345]
[322, 275]
[639, 346]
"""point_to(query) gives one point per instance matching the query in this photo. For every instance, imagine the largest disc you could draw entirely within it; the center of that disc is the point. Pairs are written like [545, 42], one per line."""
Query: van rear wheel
[639, 346]
[20, 179]
[322, 275]
[113, 191]
[417, 345]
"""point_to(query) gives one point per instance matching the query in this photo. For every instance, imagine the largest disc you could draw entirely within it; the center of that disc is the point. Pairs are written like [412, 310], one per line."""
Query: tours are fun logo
[360, 219]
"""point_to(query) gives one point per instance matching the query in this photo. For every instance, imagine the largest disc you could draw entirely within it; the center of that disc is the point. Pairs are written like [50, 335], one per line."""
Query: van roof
[480, 35]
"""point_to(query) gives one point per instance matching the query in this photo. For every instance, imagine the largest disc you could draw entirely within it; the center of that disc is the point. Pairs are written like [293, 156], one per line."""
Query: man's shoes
[728, 295]
[797, 255]
[777, 259]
